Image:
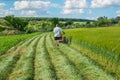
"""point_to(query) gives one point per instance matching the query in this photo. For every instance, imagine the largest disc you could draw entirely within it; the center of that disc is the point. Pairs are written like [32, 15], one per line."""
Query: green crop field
[100, 44]
[107, 38]
[38, 58]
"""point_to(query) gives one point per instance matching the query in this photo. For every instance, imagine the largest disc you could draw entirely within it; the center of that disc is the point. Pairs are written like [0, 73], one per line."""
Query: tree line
[32, 24]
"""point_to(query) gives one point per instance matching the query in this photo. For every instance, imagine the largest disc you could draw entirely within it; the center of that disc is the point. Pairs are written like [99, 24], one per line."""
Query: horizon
[77, 9]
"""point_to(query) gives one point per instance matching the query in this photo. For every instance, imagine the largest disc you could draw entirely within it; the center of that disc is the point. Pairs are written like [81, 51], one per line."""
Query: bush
[2, 28]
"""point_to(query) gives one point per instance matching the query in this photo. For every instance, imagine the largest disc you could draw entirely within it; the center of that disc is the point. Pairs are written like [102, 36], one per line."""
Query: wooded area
[32, 24]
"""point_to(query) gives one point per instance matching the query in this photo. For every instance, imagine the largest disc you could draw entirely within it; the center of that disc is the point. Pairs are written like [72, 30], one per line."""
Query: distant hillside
[60, 19]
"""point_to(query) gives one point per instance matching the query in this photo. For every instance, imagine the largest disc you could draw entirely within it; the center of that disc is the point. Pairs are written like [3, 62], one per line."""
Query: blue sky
[85, 9]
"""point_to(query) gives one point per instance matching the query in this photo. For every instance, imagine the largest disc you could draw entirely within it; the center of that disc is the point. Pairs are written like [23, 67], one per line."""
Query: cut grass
[7, 42]
[39, 59]
[8, 60]
[64, 69]
[84, 65]
[44, 70]
[8, 65]
[24, 69]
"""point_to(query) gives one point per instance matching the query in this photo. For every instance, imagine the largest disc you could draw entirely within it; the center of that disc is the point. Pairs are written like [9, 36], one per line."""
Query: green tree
[69, 22]
[54, 21]
[16, 22]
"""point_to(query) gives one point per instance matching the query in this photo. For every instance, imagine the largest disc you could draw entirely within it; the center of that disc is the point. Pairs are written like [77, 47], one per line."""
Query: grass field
[107, 37]
[100, 44]
[88, 57]
[39, 59]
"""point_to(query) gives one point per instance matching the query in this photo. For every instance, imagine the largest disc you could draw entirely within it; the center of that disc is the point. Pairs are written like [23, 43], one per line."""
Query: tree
[17, 23]
[69, 22]
[54, 21]
[117, 18]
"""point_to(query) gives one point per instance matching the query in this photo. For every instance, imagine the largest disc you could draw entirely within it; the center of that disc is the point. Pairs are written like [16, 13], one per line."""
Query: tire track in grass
[24, 69]
[44, 70]
[9, 60]
[64, 69]
[84, 65]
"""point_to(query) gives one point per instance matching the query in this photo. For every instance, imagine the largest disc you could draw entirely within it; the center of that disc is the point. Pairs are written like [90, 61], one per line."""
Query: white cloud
[74, 6]
[92, 18]
[28, 12]
[38, 7]
[118, 13]
[73, 11]
[2, 5]
[6, 12]
[3, 11]
[21, 5]
[104, 3]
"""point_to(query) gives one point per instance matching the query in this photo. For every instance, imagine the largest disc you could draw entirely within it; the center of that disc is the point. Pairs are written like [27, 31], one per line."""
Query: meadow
[107, 37]
[37, 57]
[100, 44]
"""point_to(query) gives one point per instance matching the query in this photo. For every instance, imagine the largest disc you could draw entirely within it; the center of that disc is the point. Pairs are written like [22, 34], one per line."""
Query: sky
[81, 9]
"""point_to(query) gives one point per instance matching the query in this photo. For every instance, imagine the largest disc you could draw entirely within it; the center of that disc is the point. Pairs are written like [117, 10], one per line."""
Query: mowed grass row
[22, 44]
[7, 42]
[39, 59]
[44, 69]
[24, 69]
[7, 66]
[100, 44]
[16, 50]
[8, 61]
[85, 65]
[20, 48]
[64, 69]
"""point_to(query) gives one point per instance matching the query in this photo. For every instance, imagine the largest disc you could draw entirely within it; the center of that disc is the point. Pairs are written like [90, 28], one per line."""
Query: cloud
[91, 18]
[29, 12]
[21, 5]
[73, 11]
[104, 3]
[2, 5]
[42, 5]
[30, 7]
[6, 12]
[118, 13]
[74, 6]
